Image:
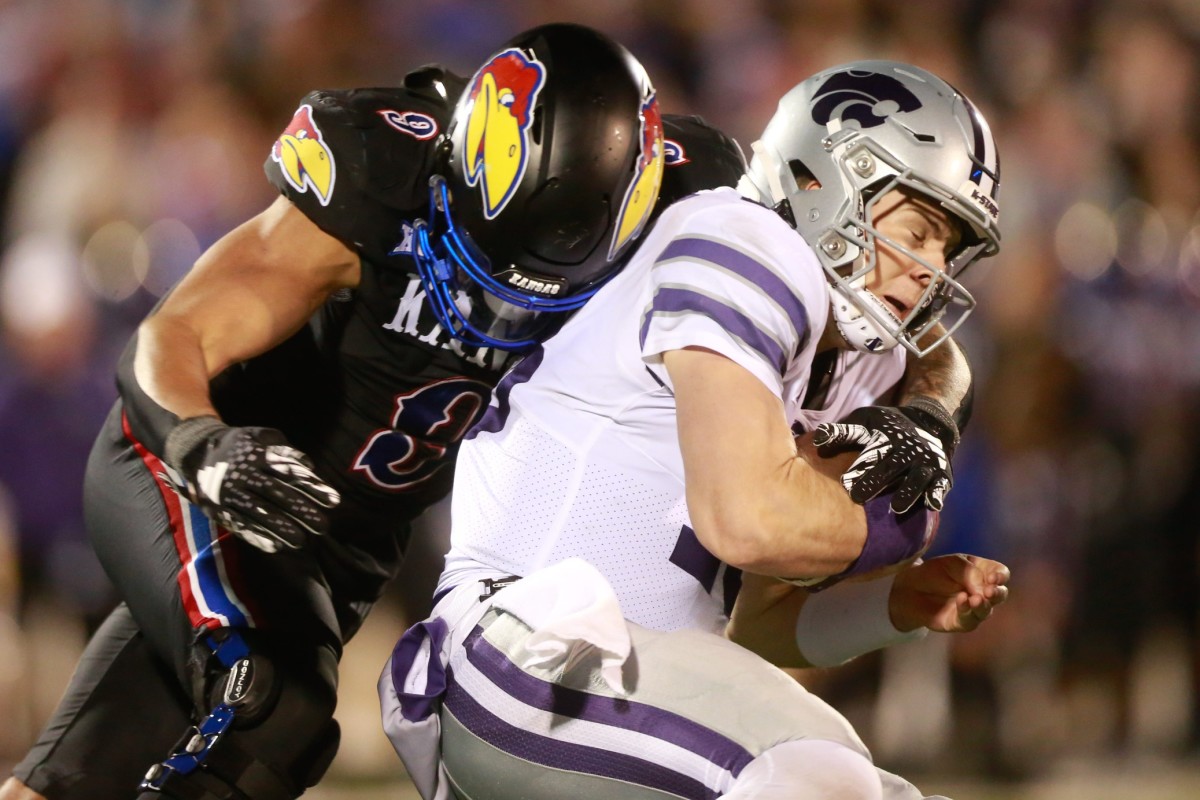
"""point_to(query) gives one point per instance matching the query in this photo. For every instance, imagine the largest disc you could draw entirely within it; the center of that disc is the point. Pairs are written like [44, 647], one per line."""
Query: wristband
[940, 421]
[186, 436]
[891, 539]
[852, 619]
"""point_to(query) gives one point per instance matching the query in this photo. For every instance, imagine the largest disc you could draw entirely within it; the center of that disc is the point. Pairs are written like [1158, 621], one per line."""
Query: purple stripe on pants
[641, 717]
[556, 754]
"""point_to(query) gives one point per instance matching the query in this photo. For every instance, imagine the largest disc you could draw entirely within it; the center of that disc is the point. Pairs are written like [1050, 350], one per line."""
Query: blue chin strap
[443, 257]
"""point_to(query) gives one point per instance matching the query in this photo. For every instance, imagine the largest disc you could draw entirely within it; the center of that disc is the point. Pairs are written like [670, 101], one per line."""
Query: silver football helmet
[862, 129]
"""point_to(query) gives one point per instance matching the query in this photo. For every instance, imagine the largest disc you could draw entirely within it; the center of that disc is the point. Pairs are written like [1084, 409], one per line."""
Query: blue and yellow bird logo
[496, 152]
[642, 193]
[302, 154]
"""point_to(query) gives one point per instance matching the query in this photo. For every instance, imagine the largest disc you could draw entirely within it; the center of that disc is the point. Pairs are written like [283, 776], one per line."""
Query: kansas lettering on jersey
[578, 453]
[374, 390]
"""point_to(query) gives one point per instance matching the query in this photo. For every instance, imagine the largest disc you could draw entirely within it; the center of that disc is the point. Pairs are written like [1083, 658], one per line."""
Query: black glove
[908, 447]
[250, 481]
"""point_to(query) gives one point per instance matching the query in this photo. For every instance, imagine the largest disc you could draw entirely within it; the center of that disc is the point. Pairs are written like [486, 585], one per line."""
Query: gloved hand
[250, 481]
[908, 447]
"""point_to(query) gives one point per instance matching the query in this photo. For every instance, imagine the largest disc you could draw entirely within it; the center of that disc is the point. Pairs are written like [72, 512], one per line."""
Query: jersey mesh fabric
[626, 528]
[587, 462]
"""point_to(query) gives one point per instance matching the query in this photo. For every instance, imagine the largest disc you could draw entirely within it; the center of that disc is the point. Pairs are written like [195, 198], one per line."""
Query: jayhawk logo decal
[502, 96]
[303, 156]
[647, 178]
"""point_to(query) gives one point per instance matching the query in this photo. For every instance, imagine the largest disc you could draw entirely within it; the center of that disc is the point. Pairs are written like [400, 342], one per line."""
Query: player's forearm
[249, 292]
[754, 501]
[160, 384]
[790, 516]
[794, 627]
[764, 619]
[170, 367]
[811, 527]
[943, 375]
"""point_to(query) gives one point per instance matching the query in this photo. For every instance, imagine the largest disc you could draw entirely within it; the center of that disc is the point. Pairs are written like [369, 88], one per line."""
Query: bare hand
[949, 594]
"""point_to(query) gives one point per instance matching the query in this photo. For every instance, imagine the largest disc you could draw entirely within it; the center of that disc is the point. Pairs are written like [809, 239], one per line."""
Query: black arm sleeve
[149, 422]
[962, 414]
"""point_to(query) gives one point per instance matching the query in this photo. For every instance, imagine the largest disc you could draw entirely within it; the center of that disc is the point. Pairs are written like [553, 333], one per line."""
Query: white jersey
[578, 454]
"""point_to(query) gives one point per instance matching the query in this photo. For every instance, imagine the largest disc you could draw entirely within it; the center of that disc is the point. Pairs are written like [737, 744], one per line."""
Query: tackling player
[298, 399]
[632, 467]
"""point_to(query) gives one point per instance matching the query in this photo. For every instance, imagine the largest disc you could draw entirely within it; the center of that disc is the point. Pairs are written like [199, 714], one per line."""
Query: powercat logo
[867, 98]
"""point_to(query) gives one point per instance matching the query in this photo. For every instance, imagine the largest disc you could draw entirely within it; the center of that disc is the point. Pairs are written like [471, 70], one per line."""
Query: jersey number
[426, 429]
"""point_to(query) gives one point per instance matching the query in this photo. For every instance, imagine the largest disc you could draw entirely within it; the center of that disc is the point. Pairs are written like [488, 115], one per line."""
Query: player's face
[918, 225]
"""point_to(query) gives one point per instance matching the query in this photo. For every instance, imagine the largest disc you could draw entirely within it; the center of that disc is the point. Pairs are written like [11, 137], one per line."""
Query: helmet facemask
[466, 297]
[552, 164]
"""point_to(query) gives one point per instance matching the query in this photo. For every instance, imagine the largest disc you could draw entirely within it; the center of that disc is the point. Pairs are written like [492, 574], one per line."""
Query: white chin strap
[860, 329]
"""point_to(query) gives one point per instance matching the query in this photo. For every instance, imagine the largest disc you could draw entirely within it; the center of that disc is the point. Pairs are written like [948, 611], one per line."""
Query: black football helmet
[552, 164]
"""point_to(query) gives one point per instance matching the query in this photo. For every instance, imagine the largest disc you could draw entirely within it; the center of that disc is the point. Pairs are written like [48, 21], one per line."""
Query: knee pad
[266, 729]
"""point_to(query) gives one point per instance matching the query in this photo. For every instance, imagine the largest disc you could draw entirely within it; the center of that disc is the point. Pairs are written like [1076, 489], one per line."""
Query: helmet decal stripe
[642, 193]
[502, 95]
[986, 172]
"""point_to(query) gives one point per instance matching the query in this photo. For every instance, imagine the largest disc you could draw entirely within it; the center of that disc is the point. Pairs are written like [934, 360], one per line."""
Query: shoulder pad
[699, 156]
[436, 83]
[316, 154]
[357, 162]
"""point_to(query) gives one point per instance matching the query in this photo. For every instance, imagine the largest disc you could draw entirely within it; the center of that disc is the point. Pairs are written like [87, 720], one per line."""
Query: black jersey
[374, 390]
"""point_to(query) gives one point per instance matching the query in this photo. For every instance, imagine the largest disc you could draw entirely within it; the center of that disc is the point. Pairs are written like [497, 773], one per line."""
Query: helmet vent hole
[800, 172]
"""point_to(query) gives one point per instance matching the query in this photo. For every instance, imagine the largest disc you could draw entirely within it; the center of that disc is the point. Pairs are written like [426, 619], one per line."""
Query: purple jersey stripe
[668, 300]
[494, 417]
[694, 559]
[567, 755]
[739, 263]
[647, 719]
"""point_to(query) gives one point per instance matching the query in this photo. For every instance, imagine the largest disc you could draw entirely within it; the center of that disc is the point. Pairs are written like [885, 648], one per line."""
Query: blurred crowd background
[132, 135]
